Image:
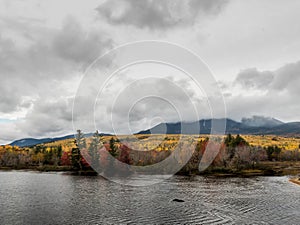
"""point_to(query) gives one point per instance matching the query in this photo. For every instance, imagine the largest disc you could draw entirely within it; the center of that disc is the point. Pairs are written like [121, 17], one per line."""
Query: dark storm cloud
[158, 14]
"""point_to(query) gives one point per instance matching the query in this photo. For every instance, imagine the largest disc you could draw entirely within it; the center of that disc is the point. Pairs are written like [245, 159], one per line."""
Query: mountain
[233, 127]
[261, 121]
[27, 142]
[255, 126]
[285, 129]
[193, 127]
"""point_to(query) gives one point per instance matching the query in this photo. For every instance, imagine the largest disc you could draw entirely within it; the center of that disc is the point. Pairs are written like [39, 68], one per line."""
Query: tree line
[113, 156]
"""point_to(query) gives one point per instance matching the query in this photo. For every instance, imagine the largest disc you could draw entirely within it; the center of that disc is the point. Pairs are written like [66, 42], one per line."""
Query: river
[58, 198]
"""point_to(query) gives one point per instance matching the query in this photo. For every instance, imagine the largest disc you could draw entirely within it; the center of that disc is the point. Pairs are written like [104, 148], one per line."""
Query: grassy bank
[46, 168]
[262, 169]
[283, 168]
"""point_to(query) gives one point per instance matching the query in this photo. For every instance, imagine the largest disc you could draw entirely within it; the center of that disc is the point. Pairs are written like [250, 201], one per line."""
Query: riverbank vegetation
[237, 155]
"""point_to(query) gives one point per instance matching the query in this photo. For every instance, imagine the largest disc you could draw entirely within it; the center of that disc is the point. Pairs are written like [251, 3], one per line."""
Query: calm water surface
[55, 198]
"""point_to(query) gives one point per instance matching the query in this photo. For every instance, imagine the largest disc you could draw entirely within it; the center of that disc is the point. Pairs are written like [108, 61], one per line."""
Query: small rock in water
[177, 200]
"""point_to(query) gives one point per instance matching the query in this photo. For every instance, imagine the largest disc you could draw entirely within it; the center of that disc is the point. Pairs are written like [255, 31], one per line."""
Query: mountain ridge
[204, 125]
[28, 142]
[233, 127]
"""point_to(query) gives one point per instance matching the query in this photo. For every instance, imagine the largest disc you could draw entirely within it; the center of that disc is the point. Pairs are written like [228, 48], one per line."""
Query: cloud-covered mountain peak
[261, 121]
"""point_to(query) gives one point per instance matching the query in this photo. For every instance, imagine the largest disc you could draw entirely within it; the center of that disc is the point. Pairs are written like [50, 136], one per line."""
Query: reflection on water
[55, 198]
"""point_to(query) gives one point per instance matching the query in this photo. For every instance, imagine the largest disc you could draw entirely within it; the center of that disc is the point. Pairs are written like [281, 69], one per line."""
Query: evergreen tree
[76, 155]
[113, 148]
[59, 151]
[231, 141]
[228, 140]
[113, 151]
[273, 152]
[94, 150]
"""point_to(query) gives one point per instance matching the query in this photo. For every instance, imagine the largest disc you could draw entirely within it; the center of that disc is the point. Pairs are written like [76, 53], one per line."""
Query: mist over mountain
[267, 127]
[261, 121]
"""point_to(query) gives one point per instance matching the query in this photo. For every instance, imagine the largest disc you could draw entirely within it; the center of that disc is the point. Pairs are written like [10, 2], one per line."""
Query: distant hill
[28, 142]
[232, 127]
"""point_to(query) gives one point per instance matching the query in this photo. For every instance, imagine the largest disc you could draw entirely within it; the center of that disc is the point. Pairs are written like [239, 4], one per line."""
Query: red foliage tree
[125, 154]
[66, 159]
[86, 159]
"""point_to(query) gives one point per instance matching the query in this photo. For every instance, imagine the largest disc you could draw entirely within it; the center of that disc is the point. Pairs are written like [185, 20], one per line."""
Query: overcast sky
[252, 48]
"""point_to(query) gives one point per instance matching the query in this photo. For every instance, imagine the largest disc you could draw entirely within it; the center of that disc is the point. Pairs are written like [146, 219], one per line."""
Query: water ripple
[42, 198]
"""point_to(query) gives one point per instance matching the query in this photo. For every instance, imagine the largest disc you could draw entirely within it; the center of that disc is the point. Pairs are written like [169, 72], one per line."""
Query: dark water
[54, 198]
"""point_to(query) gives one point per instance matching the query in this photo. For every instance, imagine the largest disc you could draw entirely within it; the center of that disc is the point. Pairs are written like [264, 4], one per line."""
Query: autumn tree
[125, 154]
[66, 159]
[232, 143]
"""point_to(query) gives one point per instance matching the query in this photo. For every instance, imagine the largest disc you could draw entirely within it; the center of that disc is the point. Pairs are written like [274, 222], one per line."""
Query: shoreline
[295, 181]
[267, 171]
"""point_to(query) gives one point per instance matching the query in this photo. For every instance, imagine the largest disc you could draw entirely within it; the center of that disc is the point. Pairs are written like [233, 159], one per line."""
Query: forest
[258, 155]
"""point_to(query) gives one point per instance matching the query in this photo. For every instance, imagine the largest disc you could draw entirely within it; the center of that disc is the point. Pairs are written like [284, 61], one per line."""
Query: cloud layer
[157, 14]
[270, 93]
[38, 78]
[45, 48]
